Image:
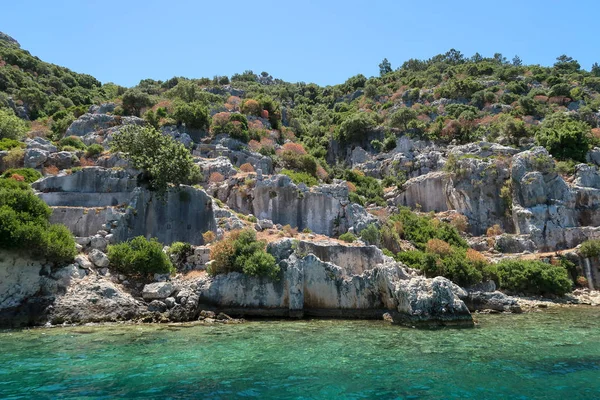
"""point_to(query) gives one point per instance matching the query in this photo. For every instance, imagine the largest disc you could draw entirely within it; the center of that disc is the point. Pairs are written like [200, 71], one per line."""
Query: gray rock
[98, 258]
[170, 302]
[41, 143]
[62, 160]
[158, 290]
[99, 242]
[157, 306]
[35, 157]
[83, 261]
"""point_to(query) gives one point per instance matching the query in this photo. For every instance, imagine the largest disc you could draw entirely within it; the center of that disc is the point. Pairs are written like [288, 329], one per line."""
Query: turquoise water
[546, 355]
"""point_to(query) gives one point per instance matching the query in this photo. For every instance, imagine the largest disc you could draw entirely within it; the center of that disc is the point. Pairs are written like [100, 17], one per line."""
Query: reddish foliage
[251, 107]
[254, 145]
[321, 173]
[295, 148]
[351, 186]
[17, 177]
[264, 114]
[541, 99]
[247, 167]
[86, 162]
[596, 132]
[51, 170]
[216, 177]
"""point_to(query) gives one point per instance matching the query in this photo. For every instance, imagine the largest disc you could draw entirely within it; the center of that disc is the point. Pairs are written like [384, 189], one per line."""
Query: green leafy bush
[241, 252]
[565, 137]
[163, 160]
[194, 115]
[73, 142]
[347, 237]
[94, 150]
[24, 225]
[11, 126]
[8, 144]
[139, 256]
[371, 235]
[30, 175]
[533, 277]
[590, 248]
[300, 177]
[368, 189]
[355, 127]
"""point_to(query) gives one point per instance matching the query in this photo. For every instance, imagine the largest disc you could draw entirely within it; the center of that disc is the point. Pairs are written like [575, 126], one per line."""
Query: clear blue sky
[312, 41]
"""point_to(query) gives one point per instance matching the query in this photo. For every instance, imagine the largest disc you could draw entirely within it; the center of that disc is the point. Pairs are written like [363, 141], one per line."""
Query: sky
[319, 41]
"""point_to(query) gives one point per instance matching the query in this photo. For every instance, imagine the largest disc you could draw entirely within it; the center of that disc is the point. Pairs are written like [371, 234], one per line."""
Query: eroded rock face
[96, 198]
[310, 286]
[324, 209]
[554, 214]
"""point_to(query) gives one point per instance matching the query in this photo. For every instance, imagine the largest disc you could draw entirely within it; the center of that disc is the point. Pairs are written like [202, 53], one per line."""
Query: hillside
[453, 166]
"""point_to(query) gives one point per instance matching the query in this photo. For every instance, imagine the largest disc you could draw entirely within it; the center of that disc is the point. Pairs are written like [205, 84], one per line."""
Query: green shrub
[590, 248]
[139, 256]
[371, 235]
[367, 188]
[194, 115]
[180, 251]
[163, 160]
[565, 137]
[299, 162]
[241, 252]
[347, 237]
[11, 126]
[8, 144]
[420, 229]
[355, 127]
[72, 142]
[24, 225]
[533, 277]
[300, 177]
[94, 150]
[30, 174]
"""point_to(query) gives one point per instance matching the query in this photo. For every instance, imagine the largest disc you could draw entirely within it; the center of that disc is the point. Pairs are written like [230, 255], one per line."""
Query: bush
[24, 225]
[251, 107]
[565, 137]
[11, 126]
[299, 162]
[134, 100]
[533, 277]
[371, 235]
[94, 150]
[139, 256]
[347, 237]
[300, 177]
[180, 251]
[208, 237]
[241, 252]
[590, 248]
[163, 160]
[355, 127]
[73, 142]
[30, 175]
[193, 115]
[8, 144]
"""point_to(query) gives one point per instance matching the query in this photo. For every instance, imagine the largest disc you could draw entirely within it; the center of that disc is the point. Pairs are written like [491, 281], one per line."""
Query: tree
[134, 100]
[516, 61]
[565, 137]
[355, 126]
[194, 115]
[385, 67]
[162, 159]
[402, 117]
[595, 69]
[11, 126]
[566, 64]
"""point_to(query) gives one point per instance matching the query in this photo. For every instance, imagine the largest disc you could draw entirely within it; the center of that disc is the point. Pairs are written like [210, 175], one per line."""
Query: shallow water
[553, 354]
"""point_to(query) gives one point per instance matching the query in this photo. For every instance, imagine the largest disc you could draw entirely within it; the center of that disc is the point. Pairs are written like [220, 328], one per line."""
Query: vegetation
[241, 252]
[139, 257]
[24, 224]
[164, 161]
[28, 175]
[11, 126]
[590, 248]
[533, 277]
[347, 237]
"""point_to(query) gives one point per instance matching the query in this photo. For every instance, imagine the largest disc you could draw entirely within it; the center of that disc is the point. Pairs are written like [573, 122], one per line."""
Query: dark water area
[554, 354]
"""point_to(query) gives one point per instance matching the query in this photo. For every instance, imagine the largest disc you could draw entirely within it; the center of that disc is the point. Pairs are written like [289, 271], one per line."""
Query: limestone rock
[41, 143]
[35, 157]
[83, 261]
[98, 258]
[157, 291]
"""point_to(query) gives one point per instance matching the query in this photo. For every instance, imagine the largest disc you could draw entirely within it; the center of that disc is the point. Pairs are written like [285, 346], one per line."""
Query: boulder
[62, 160]
[35, 157]
[98, 258]
[41, 143]
[158, 291]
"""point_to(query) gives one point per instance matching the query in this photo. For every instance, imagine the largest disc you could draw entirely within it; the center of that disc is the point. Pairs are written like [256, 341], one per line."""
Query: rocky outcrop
[427, 192]
[96, 198]
[323, 209]
[308, 286]
[555, 214]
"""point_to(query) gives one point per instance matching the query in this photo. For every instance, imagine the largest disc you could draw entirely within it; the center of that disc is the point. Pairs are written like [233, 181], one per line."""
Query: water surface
[553, 354]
